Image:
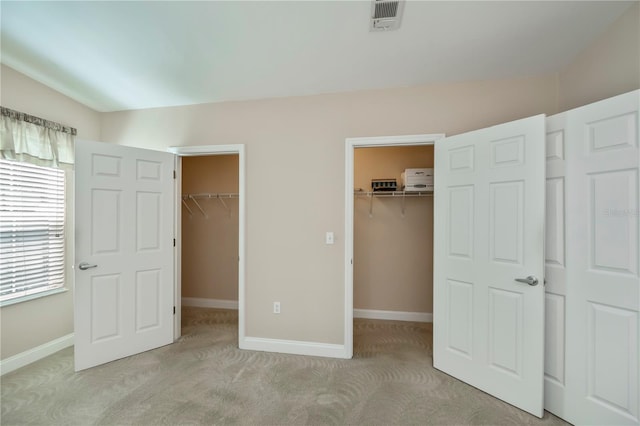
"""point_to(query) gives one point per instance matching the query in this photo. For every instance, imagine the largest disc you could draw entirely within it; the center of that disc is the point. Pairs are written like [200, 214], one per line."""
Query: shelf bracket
[199, 207]
[371, 206]
[224, 205]
[186, 206]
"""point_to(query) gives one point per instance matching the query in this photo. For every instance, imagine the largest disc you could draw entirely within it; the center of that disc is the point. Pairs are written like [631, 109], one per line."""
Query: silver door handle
[84, 266]
[531, 280]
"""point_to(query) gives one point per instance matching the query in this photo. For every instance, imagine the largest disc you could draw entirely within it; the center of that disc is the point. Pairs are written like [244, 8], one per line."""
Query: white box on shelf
[417, 180]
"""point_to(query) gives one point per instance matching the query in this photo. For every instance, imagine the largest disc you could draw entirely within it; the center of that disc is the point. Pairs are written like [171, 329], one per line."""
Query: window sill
[33, 296]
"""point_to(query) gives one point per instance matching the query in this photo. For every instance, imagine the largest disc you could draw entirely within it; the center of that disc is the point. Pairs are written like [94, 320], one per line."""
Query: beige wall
[30, 324]
[608, 67]
[393, 255]
[210, 244]
[295, 177]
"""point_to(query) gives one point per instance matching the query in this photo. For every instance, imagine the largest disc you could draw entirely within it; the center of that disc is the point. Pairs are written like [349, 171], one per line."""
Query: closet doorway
[210, 229]
[393, 234]
[368, 299]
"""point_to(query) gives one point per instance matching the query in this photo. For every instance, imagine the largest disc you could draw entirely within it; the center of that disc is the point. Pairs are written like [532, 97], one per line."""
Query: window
[31, 229]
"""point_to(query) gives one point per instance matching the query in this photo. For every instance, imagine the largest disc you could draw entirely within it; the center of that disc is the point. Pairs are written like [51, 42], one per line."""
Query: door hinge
[174, 242]
[174, 310]
[174, 174]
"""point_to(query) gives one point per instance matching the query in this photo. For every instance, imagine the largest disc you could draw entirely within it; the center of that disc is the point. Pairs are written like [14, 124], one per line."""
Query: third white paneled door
[603, 281]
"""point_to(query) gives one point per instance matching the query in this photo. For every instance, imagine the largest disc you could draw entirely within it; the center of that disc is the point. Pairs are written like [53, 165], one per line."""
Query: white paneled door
[603, 281]
[489, 262]
[555, 267]
[124, 263]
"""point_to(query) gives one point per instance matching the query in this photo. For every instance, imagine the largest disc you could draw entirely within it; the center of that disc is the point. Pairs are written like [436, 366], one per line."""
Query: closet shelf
[390, 194]
[207, 196]
[402, 195]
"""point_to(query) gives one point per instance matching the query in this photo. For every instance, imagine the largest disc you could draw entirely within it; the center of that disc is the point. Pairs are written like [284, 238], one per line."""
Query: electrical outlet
[276, 307]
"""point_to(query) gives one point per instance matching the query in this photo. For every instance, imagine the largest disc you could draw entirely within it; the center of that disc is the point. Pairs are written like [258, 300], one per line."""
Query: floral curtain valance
[35, 140]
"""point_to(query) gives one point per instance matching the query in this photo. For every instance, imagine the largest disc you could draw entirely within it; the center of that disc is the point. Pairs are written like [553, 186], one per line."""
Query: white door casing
[489, 227]
[603, 291]
[124, 224]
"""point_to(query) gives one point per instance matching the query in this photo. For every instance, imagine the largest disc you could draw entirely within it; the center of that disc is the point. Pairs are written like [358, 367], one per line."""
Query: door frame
[206, 150]
[350, 145]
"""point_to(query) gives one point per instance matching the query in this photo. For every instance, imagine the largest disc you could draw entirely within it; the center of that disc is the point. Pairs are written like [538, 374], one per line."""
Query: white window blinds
[31, 229]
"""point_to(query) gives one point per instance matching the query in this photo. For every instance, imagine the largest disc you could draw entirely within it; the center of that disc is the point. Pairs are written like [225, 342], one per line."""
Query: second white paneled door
[488, 262]
[555, 267]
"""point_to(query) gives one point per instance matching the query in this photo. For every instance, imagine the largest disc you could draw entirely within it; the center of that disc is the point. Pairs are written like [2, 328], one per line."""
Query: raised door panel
[460, 319]
[507, 152]
[461, 159]
[618, 132]
[106, 221]
[103, 165]
[613, 230]
[106, 312]
[148, 221]
[554, 337]
[506, 212]
[148, 300]
[505, 332]
[612, 335]
[148, 170]
[554, 140]
[554, 223]
[460, 223]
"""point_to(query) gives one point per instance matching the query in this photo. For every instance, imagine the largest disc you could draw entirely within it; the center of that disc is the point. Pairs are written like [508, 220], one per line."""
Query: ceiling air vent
[386, 14]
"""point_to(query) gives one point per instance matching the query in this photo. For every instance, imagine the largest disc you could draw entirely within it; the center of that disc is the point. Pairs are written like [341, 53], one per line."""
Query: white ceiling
[130, 55]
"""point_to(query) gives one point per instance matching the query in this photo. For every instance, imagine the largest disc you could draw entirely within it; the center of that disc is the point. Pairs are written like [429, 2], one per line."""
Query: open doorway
[209, 299]
[210, 230]
[351, 192]
[393, 234]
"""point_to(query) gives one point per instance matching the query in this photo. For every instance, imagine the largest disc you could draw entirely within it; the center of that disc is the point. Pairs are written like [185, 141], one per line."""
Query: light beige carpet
[205, 379]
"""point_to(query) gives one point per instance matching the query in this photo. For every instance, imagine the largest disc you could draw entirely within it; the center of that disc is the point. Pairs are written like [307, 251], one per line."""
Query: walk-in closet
[393, 234]
[210, 231]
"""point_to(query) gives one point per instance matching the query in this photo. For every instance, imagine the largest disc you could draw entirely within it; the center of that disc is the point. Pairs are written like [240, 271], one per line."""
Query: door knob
[531, 280]
[84, 266]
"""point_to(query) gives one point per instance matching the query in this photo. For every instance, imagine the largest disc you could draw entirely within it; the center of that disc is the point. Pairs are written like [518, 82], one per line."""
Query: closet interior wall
[210, 242]
[393, 253]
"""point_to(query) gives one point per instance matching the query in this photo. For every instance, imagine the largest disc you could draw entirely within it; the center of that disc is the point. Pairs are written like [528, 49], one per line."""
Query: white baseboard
[32, 355]
[393, 315]
[200, 302]
[295, 347]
